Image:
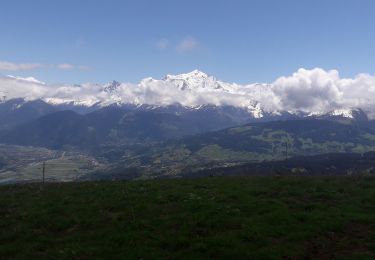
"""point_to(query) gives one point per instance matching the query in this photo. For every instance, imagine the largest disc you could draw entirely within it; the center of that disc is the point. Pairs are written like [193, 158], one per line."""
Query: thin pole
[44, 171]
[286, 149]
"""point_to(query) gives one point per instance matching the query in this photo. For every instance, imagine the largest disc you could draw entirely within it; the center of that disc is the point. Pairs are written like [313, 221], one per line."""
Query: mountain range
[195, 90]
[181, 123]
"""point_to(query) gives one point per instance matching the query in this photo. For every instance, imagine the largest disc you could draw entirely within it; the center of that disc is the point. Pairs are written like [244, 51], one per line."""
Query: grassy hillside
[335, 164]
[256, 142]
[243, 217]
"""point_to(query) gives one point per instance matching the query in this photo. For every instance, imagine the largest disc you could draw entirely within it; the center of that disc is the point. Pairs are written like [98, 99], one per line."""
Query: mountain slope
[318, 165]
[18, 111]
[252, 143]
[114, 125]
[298, 133]
[54, 131]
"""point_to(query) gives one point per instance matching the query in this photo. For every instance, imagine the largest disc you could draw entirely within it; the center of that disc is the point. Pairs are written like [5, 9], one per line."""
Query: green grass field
[218, 217]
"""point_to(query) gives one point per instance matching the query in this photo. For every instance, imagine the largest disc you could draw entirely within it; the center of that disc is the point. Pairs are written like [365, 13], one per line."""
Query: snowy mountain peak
[196, 89]
[111, 87]
[193, 80]
[195, 74]
[347, 113]
[351, 113]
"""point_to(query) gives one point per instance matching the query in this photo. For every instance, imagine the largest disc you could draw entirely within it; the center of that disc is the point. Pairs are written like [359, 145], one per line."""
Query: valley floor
[217, 217]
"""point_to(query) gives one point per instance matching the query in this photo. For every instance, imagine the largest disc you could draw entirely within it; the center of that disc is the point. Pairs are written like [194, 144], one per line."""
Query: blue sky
[245, 41]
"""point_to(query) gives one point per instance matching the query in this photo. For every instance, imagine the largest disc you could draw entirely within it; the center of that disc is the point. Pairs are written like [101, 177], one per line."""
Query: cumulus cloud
[162, 93]
[17, 87]
[10, 66]
[309, 91]
[187, 44]
[318, 90]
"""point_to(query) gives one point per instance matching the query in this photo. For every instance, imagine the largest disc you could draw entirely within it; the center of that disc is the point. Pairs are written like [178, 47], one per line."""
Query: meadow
[286, 217]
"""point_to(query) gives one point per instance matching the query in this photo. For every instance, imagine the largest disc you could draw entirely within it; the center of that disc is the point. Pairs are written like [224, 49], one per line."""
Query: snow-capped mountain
[348, 113]
[195, 80]
[194, 90]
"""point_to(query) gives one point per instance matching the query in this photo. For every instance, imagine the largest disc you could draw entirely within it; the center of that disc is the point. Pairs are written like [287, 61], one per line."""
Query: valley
[187, 129]
[112, 132]
[24, 164]
[130, 155]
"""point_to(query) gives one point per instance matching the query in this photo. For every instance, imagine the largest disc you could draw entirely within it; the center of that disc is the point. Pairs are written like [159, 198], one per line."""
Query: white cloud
[310, 91]
[65, 66]
[27, 79]
[318, 90]
[17, 87]
[9, 66]
[187, 44]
